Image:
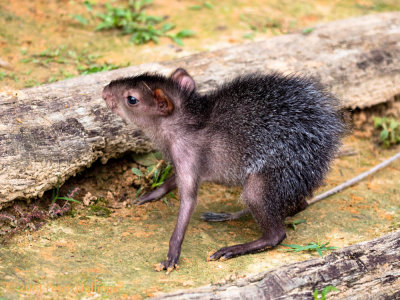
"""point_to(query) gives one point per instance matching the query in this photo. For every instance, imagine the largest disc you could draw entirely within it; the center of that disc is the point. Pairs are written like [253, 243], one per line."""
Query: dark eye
[132, 100]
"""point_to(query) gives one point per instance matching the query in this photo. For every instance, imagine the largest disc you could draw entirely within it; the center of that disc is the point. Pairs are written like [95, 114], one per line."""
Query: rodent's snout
[108, 97]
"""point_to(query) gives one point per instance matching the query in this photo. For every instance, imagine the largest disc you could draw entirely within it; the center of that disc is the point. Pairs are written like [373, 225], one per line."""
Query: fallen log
[58, 129]
[368, 270]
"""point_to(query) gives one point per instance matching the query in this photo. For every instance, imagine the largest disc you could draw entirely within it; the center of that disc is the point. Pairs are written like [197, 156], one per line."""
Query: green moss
[98, 208]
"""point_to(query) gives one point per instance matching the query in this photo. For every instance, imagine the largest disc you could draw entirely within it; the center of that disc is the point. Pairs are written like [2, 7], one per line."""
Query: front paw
[148, 197]
[169, 265]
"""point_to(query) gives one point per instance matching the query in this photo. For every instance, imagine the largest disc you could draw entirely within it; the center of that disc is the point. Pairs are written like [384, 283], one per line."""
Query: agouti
[275, 135]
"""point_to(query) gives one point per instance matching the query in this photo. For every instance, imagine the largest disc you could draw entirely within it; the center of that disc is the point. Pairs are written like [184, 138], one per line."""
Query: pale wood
[368, 270]
[61, 128]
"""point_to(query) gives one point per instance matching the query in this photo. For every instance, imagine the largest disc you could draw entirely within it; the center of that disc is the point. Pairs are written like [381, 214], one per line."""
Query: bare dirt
[106, 248]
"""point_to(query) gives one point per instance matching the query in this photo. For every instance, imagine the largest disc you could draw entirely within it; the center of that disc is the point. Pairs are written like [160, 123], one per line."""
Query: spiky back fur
[285, 127]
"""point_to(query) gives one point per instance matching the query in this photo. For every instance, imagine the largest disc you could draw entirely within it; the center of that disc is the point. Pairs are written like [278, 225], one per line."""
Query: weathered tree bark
[59, 129]
[369, 270]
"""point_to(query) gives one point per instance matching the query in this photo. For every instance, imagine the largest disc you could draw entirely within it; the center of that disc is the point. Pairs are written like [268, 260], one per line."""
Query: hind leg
[273, 231]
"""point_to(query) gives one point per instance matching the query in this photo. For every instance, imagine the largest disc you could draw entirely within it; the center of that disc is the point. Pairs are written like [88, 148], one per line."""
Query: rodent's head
[144, 97]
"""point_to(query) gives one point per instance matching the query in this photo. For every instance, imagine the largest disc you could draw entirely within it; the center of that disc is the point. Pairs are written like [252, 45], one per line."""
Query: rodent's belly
[222, 180]
[223, 164]
[228, 174]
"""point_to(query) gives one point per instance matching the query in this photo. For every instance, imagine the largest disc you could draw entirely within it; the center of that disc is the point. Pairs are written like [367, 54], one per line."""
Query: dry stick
[354, 180]
[215, 217]
[154, 169]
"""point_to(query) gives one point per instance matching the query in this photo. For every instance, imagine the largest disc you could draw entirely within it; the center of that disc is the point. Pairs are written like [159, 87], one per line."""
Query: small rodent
[275, 135]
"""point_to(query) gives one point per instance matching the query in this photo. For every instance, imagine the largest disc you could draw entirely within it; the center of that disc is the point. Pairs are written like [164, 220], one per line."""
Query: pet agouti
[275, 135]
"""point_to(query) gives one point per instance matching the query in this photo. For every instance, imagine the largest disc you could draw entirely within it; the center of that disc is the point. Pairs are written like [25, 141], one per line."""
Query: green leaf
[308, 30]
[102, 26]
[328, 289]
[316, 294]
[195, 7]
[53, 197]
[378, 121]
[156, 174]
[154, 185]
[243, 18]
[155, 39]
[208, 5]
[158, 155]
[177, 41]
[69, 199]
[167, 27]
[393, 123]
[147, 160]
[137, 172]
[296, 222]
[88, 5]
[52, 79]
[294, 246]
[165, 173]
[137, 5]
[384, 135]
[185, 33]
[249, 36]
[165, 200]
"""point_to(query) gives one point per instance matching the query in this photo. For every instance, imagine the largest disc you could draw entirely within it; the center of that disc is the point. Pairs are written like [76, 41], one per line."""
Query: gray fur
[274, 135]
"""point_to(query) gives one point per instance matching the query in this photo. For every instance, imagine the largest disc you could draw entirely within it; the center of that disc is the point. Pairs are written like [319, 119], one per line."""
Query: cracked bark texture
[368, 270]
[61, 128]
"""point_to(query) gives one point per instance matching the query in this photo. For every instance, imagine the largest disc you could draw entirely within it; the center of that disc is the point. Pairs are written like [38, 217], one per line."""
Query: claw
[159, 267]
[144, 199]
[168, 265]
[221, 255]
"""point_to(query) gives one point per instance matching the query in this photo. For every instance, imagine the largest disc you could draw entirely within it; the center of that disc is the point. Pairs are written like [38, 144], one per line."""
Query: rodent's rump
[273, 134]
[289, 128]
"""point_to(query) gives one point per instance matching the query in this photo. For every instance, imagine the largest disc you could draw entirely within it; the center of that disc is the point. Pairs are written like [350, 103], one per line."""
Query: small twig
[219, 217]
[354, 180]
[154, 169]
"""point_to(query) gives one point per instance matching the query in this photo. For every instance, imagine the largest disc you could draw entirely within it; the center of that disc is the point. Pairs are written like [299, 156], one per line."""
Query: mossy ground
[92, 255]
[87, 255]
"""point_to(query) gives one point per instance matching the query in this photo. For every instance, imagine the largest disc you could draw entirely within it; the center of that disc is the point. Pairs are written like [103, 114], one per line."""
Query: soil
[106, 246]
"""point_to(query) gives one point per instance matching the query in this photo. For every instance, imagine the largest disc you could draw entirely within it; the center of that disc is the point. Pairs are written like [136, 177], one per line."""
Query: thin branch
[220, 217]
[354, 180]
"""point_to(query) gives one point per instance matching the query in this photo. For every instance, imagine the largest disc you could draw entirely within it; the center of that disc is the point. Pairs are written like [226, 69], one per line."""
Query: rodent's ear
[184, 80]
[164, 105]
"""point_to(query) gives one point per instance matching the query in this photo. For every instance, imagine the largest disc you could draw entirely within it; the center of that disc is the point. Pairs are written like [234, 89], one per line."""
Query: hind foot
[252, 247]
[222, 217]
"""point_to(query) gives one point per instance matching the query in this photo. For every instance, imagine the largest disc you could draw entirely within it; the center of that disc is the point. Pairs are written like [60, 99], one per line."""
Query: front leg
[187, 186]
